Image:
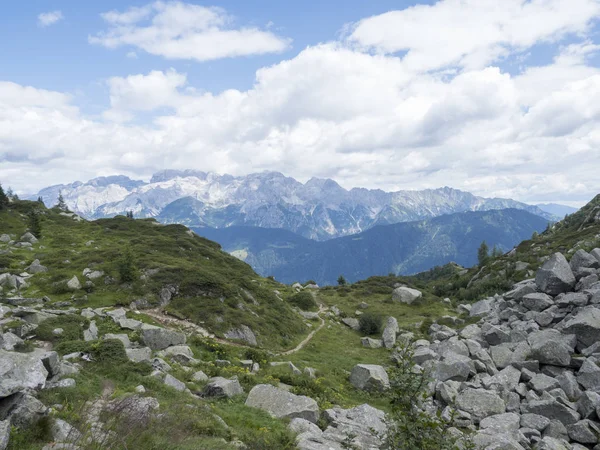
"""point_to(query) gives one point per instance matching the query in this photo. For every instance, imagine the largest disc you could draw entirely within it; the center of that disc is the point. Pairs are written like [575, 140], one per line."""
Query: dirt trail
[189, 327]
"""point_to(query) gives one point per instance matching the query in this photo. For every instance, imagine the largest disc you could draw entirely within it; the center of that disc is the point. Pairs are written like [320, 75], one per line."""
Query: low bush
[304, 300]
[370, 324]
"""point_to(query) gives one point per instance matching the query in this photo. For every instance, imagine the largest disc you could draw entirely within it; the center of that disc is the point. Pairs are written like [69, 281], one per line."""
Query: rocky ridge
[527, 374]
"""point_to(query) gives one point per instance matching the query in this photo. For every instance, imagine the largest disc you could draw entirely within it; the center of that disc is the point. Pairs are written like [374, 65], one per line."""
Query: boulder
[362, 427]
[501, 423]
[91, 334]
[482, 308]
[223, 387]
[555, 276]
[389, 333]
[135, 409]
[199, 377]
[406, 295]
[480, 403]
[553, 410]
[35, 267]
[173, 382]
[161, 338]
[369, 377]
[371, 343]
[280, 403]
[4, 429]
[119, 337]
[242, 333]
[584, 432]
[64, 432]
[28, 237]
[583, 260]
[74, 283]
[589, 375]
[537, 301]
[551, 347]
[454, 367]
[351, 322]
[22, 409]
[20, 371]
[143, 354]
[585, 325]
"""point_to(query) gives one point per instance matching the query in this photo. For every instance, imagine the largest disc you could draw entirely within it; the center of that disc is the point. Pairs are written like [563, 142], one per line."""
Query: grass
[214, 289]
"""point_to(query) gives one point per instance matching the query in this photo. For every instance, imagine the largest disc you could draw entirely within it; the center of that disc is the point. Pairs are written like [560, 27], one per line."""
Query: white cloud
[179, 30]
[49, 18]
[366, 119]
[470, 33]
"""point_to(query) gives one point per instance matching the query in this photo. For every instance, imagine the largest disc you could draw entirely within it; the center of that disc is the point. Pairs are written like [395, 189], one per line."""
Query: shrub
[303, 300]
[409, 426]
[72, 328]
[370, 324]
[110, 351]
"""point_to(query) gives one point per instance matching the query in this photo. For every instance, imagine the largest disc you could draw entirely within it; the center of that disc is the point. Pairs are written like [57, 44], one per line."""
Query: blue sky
[496, 97]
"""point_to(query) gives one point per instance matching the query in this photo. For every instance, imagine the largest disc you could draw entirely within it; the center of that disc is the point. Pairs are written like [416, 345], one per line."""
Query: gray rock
[534, 421]
[587, 404]
[542, 383]
[371, 343]
[495, 335]
[551, 347]
[550, 443]
[173, 382]
[351, 322]
[584, 432]
[64, 432]
[117, 314]
[28, 237]
[501, 423]
[537, 301]
[35, 267]
[161, 338]
[555, 276]
[589, 375]
[583, 260]
[199, 377]
[454, 367]
[585, 325]
[482, 308]
[4, 430]
[242, 333]
[361, 427]
[74, 283]
[223, 387]
[480, 403]
[20, 371]
[91, 334]
[406, 295]
[23, 409]
[557, 430]
[119, 337]
[553, 410]
[369, 377]
[424, 354]
[51, 362]
[134, 410]
[568, 383]
[143, 354]
[389, 333]
[130, 324]
[280, 403]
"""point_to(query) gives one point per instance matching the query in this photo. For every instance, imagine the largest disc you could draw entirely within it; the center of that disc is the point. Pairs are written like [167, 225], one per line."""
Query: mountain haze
[319, 209]
[402, 249]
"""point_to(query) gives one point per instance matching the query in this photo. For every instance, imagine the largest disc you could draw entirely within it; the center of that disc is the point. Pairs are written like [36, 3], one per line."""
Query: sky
[497, 97]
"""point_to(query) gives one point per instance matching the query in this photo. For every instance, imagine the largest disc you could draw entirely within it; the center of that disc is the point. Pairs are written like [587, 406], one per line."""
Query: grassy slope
[215, 289]
[578, 230]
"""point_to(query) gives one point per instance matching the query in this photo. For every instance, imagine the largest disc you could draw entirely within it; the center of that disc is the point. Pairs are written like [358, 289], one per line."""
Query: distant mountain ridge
[556, 209]
[319, 209]
[402, 249]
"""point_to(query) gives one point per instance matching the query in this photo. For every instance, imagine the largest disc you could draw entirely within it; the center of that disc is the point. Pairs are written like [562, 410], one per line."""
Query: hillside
[319, 209]
[404, 248]
[174, 268]
[580, 230]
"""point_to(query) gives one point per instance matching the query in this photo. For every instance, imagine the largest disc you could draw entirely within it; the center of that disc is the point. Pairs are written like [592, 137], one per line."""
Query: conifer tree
[35, 223]
[341, 280]
[3, 198]
[126, 266]
[483, 254]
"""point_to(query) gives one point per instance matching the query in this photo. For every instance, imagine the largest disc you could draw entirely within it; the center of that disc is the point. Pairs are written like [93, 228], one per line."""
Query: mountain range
[319, 209]
[401, 249]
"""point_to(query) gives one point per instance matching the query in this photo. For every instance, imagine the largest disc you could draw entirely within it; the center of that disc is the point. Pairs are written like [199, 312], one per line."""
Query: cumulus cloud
[470, 33]
[49, 18]
[372, 119]
[178, 30]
